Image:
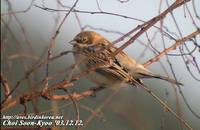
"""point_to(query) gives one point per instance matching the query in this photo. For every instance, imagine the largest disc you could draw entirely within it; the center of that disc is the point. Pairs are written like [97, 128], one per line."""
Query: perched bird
[93, 50]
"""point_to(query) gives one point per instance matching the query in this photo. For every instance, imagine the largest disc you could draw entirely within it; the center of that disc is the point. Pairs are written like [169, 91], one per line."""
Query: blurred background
[27, 28]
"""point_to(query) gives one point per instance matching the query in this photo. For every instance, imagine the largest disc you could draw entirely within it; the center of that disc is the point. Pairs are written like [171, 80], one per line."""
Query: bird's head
[87, 38]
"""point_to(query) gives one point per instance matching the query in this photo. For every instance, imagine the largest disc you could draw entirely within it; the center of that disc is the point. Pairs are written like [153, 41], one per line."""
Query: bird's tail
[167, 79]
[162, 77]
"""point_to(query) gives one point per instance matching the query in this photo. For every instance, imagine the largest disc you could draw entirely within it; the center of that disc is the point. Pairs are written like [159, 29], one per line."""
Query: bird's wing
[115, 72]
[121, 62]
[107, 66]
[135, 69]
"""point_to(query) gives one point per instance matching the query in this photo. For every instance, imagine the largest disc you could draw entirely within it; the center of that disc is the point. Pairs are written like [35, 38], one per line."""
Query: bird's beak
[72, 42]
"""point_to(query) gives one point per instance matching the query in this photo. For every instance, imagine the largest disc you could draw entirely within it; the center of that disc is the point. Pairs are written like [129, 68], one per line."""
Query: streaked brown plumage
[94, 50]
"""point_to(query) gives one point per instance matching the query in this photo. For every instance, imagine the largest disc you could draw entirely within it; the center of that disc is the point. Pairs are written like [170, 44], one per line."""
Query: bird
[93, 51]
